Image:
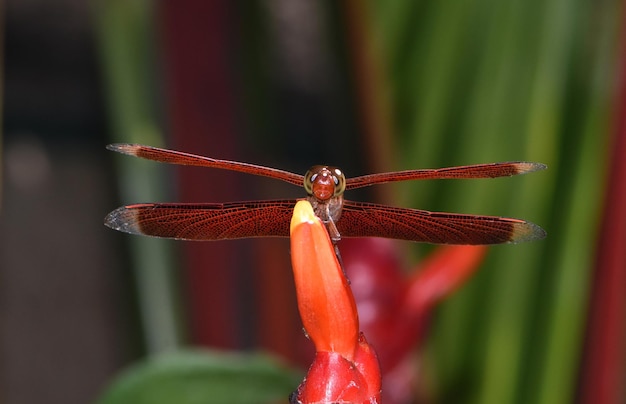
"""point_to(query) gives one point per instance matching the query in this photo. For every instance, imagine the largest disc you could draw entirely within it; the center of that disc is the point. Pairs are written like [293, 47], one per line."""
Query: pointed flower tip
[302, 213]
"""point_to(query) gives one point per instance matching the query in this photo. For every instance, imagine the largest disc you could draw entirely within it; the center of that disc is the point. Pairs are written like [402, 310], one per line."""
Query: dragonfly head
[324, 182]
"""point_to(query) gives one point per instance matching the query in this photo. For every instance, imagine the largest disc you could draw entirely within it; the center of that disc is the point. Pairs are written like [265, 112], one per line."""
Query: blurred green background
[369, 86]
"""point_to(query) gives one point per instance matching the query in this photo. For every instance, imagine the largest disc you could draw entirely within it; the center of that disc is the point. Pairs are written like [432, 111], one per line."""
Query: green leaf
[201, 376]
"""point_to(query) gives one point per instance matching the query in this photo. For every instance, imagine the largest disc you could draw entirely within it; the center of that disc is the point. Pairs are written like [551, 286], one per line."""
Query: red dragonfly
[324, 186]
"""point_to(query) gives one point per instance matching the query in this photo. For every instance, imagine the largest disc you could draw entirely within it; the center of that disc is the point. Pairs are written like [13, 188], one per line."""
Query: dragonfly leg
[343, 268]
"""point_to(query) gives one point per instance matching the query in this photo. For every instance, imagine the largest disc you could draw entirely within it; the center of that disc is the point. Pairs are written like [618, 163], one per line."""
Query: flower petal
[325, 301]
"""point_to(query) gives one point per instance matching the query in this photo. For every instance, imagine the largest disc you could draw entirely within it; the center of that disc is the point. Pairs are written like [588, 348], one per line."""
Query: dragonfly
[325, 187]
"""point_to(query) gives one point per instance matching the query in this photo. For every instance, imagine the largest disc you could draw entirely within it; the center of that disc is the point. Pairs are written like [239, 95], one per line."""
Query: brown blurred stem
[372, 93]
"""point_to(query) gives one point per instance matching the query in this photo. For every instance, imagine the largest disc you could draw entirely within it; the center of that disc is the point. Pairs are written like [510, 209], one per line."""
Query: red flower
[345, 368]
[395, 308]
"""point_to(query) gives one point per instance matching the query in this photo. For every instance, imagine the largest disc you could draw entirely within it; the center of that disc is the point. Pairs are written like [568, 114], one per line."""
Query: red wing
[491, 170]
[206, 221]
[188, 159]
[360, 219]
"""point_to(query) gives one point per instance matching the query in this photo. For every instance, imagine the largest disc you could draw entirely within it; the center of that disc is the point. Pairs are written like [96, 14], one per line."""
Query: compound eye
[309, 178]
[340, 181]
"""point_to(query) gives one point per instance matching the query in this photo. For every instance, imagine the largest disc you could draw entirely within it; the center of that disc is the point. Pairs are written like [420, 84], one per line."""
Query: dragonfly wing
[206, 221]
[188, 159]
[490, 170]
[359, 219]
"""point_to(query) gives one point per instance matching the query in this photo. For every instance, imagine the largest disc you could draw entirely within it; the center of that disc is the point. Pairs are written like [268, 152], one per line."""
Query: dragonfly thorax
[324, 182]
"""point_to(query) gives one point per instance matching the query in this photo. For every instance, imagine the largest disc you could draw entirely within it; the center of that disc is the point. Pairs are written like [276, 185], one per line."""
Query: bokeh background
[369, 86]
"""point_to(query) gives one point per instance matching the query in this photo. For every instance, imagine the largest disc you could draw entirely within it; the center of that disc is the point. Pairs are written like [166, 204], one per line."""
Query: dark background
[368, 86]
[63, 294]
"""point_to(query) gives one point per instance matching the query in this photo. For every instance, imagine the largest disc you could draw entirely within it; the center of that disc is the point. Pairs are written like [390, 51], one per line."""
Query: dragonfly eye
[340, 181]
[324, 182]
[309, 177]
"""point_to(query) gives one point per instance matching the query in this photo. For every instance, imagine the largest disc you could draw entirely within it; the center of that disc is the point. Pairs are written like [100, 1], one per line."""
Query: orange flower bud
[345, 368]
[325, 301]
